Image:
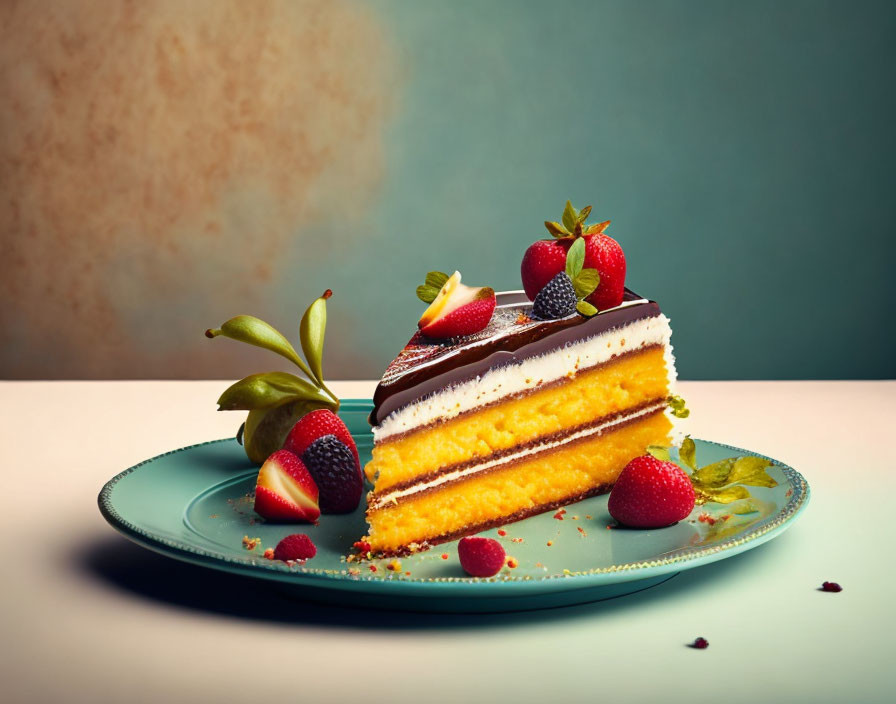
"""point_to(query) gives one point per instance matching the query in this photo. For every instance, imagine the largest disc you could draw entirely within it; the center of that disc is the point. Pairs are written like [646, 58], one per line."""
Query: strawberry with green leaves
[547, 258]
[566, 292]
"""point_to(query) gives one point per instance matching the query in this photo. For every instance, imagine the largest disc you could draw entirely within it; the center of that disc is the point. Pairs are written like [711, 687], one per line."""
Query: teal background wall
[743, 151]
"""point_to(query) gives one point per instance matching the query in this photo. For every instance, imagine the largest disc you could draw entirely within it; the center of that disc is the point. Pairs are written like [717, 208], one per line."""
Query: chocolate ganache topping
[426, 366]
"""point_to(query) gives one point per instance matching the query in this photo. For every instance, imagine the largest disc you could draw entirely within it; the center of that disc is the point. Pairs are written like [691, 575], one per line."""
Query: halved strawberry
[458, 310]
[315, 425]
[285, 490]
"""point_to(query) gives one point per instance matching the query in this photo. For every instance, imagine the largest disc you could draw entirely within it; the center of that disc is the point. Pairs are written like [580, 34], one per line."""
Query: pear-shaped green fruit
[266, 428]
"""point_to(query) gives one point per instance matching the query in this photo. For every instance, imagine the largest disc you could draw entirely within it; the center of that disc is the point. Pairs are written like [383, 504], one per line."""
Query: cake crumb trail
[550, 542]
[581, 530]
[444, 555]
[251, 543]
[502, 532]
[559, 515]
[269, 553]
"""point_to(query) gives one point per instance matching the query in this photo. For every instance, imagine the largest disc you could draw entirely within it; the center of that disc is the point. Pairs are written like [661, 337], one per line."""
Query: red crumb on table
[512, 563]
[373, 568]
[831, 587]
[550, 542]
[700, 643]
[444, 555]
[559, 514]
[269, 553]
[516, 540]
[610, 526]
[706, 518]
[408, 574]
[502, 533]
[581, 530]
[726, 516]
[250, 543]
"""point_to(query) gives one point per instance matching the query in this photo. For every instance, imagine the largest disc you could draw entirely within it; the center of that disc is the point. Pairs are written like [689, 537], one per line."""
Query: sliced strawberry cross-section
[285, 491]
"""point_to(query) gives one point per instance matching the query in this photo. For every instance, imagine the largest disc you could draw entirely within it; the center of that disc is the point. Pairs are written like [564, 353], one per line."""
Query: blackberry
[336, 473]
[556, 300]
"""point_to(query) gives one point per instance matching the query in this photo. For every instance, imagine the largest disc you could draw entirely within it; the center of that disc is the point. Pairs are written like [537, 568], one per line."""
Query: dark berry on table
[336, 473]
[700, 643]
[556, 300]
[831, 587]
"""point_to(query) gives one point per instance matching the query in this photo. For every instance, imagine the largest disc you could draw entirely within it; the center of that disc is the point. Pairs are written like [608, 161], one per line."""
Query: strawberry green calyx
[572, 224]
[584, 281]
[430, 289]
[721, 482]
[275, 400]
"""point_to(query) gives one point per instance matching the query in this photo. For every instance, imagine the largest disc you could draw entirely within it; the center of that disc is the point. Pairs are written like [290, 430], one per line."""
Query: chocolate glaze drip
[426, 366]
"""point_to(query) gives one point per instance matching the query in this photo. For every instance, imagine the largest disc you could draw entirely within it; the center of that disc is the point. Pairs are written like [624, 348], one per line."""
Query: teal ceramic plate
[194, 504]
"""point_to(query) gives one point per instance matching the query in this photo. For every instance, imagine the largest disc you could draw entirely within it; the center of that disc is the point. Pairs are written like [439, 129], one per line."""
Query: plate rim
[673, 561]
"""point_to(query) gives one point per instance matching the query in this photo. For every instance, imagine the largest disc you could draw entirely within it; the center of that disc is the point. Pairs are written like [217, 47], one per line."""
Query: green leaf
[427, 294]
[583, 214]
[575, 259]
[660, 452]
[253, 331]
[678, 408]
[688, 453]
[586, 309]
[722, 496]
[557, 230]
[586, 282]
[311, 334]
[437, 279]
[752, 472]
[570, 217]
[598, 228]
[267, 390]
[715, 474]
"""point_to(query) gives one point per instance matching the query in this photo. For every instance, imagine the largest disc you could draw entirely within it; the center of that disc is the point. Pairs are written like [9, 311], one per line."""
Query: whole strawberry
[651, 493]
[544, 259]
[314, 425]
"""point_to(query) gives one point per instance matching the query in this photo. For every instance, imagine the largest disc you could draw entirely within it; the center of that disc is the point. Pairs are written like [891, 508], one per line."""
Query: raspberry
[480, 557]
[336, 474]
[556, 300]
[831, 587]
[295, 547]
[700, 643]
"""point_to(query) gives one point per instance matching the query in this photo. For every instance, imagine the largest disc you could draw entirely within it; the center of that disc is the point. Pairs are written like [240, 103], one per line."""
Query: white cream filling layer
[394, 496]
[530, 373]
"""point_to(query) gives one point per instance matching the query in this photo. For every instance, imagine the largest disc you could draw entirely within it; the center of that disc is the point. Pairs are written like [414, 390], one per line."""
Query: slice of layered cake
[540, 408]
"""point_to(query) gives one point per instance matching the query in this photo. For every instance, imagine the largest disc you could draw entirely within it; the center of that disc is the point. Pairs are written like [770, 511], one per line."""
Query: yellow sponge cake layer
[544, 477]
[628, 382]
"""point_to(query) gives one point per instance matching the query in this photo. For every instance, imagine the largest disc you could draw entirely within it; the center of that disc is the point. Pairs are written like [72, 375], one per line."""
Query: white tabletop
[88, 616]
